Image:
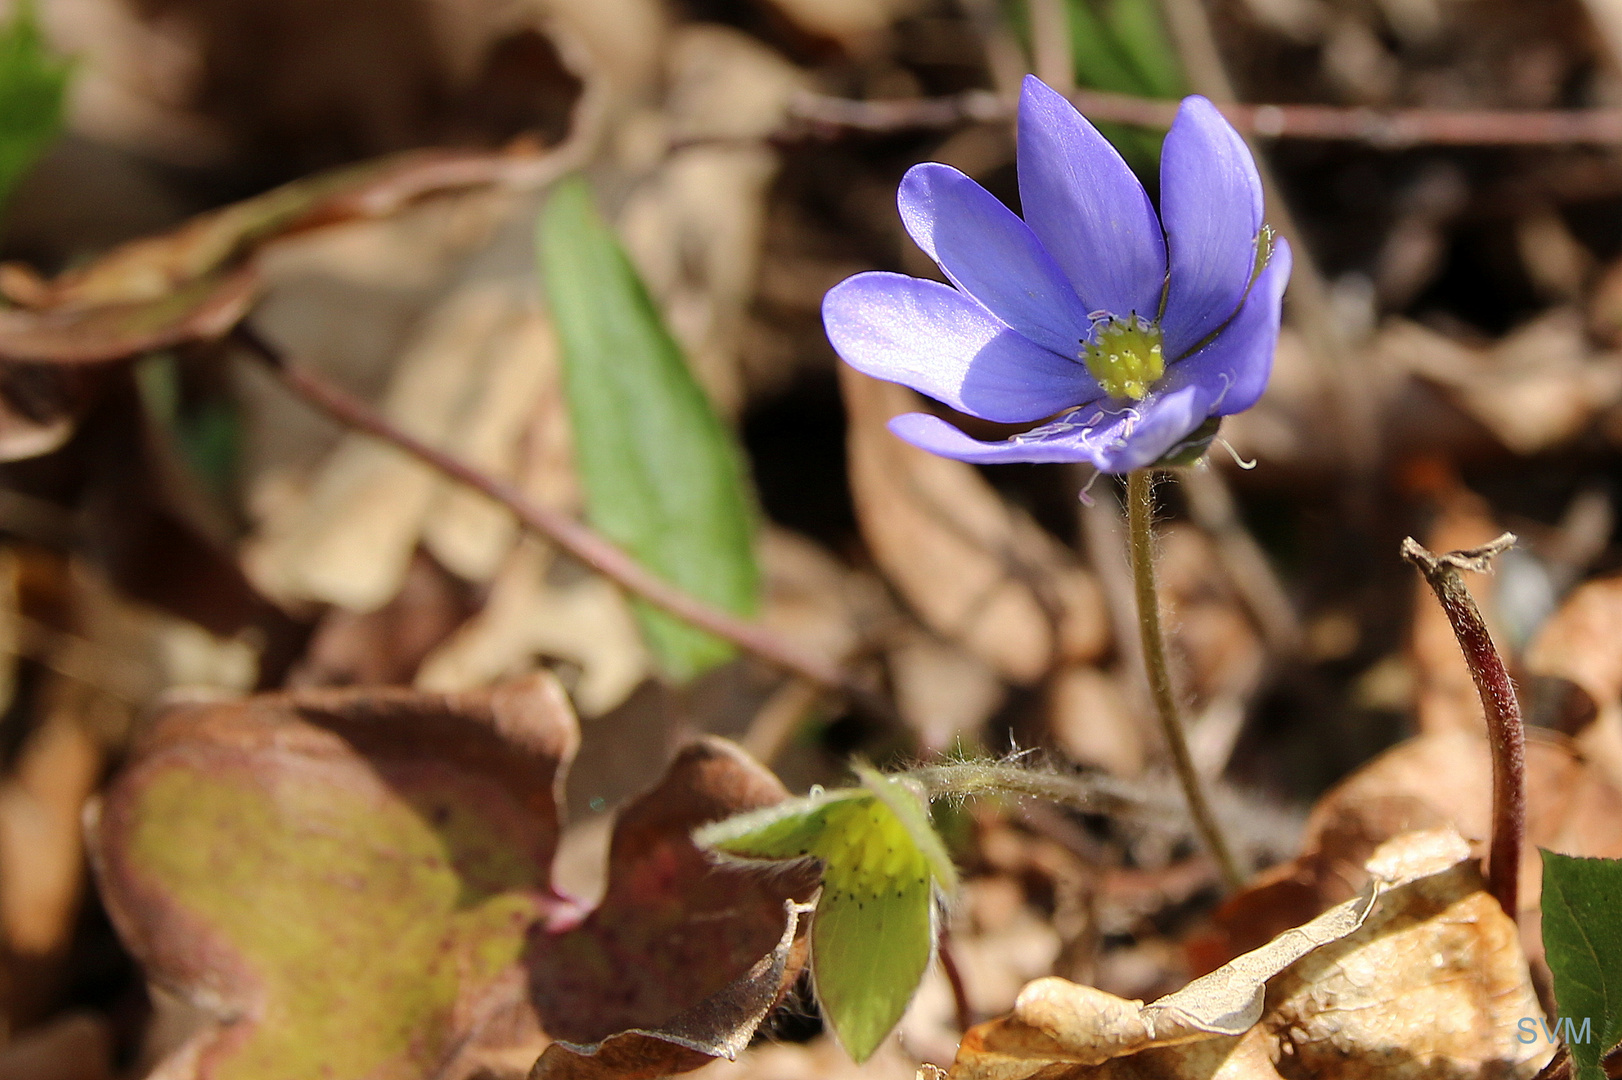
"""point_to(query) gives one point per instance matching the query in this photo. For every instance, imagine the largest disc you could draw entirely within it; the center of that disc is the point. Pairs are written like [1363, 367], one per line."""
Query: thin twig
[572, 536]
[1140, 503]
[954, 979]
[1504, 731]
[1386, 129]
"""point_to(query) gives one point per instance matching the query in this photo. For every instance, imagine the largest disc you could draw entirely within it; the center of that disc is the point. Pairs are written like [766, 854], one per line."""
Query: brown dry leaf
[1094, 723]
[1432, 781]
[1287, 428]
[41, 849]
[40, 405]
[1355, 993]
[852, 23]
[76, 1046]
[1534, 389]
[694, 222]
[1582, 642]
[977, 572]
[518, 400]
[817, 601]
[105, 661]
[1212, 638]
[201, 310]
[386, 647]
[545, 607]
[944, 693]
[198, 281]
[351, 540]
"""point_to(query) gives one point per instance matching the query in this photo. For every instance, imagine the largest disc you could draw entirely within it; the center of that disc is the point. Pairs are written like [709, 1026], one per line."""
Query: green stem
[1140, 504]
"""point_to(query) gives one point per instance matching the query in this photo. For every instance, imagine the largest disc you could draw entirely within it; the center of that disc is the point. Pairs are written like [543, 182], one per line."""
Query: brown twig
[1504, 731]
[1388, 129]
[572, 536]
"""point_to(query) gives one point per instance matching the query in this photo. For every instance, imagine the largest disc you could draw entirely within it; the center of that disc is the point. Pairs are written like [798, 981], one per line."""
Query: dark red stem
[1505, 733]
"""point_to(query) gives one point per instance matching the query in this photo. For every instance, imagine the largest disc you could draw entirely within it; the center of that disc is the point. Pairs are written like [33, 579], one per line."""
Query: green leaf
[1119, 46]
[32, 84]
[883, 865]
[661, 473]
[1582, 938]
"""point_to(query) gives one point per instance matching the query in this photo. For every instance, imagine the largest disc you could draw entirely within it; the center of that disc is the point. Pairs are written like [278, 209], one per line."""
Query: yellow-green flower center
[1125, 356]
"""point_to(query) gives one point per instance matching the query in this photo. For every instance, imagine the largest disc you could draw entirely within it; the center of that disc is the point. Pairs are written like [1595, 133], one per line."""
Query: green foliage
[32, 85]
[873, 932]
[1120, 46]
[207, 435]
[1582, 938]
[661, 473]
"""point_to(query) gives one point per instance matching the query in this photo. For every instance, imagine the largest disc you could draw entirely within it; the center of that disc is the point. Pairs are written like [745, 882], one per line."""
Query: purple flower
[1130, 341]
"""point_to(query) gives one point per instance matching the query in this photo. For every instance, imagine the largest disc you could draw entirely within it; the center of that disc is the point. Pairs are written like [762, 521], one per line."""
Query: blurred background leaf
[1119, 46]
[33, 83]
[662, 476]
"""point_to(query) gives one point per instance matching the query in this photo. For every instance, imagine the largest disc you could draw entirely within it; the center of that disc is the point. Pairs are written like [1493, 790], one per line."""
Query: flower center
[1125, 357]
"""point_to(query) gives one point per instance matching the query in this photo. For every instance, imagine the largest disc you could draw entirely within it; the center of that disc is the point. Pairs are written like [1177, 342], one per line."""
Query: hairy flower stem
[1140, 505]
[1505, 733]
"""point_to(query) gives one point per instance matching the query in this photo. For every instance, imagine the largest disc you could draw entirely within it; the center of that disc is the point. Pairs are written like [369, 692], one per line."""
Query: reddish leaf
[674, 928]
[344, 878]
[355, 884]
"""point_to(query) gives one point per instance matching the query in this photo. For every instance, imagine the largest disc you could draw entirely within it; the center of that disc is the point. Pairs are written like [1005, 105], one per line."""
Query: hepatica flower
[1122, 335]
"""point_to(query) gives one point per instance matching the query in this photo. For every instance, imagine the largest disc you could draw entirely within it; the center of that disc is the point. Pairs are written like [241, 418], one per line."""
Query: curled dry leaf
[355, 883]
[1538, 387]
[1432, 781]
[543, 606]
[1582, 642]
[977, 572]
[1357, 992]
[351, 540]
[816, 600]
[196, 281]
[720, 1026]
[386, 647]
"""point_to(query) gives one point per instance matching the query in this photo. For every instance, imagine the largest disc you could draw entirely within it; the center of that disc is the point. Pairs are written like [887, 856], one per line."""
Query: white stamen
[1237, 460]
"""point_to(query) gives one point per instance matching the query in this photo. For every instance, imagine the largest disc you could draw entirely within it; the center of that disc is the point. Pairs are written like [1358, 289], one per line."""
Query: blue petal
[992, 255]
[934, 339]
[1113, 437]
[1211, 202]
[1238, 361]
[1087, 208]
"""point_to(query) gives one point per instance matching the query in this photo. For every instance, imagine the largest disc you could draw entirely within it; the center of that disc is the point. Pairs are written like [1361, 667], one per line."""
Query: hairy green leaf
[661, 474]
[32, 84]
[883, 867]
[1582, 938]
